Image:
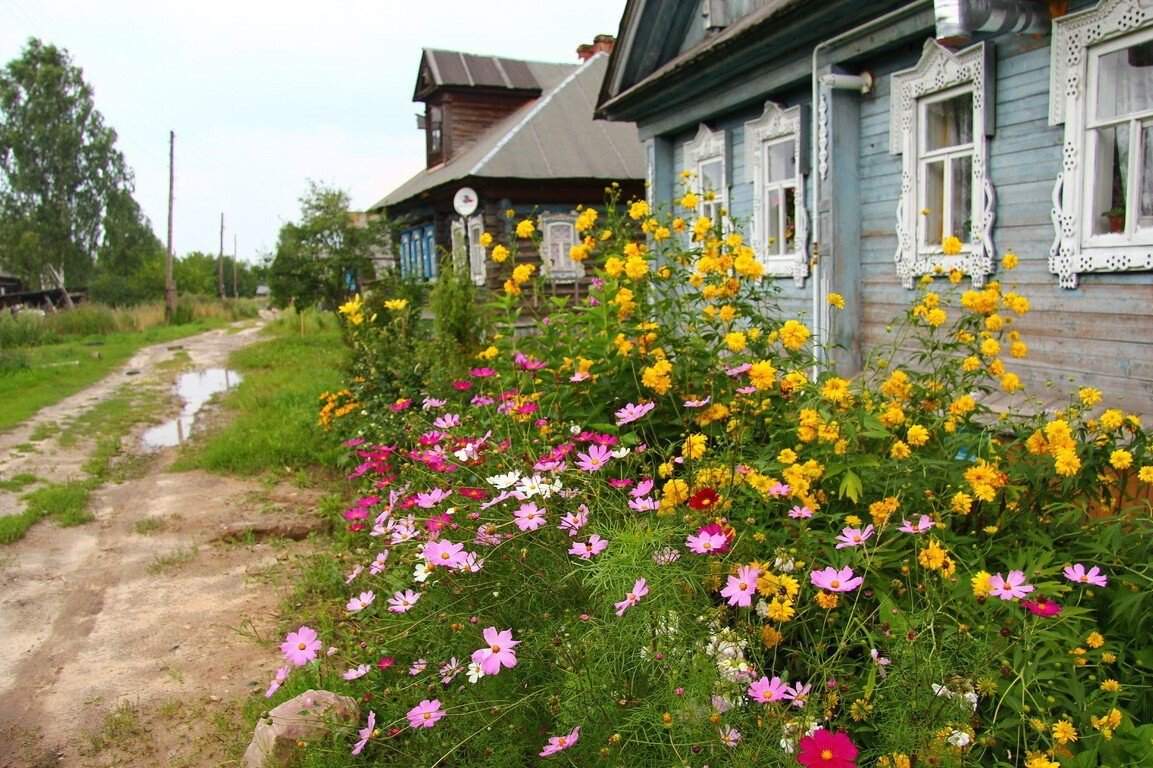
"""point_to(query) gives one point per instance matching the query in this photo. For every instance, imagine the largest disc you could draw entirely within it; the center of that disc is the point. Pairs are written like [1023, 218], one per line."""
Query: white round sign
[465, 201]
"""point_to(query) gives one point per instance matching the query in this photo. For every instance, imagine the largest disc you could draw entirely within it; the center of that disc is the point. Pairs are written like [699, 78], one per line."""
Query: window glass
[1125, 81]
[933, 207]
[1111, 177]
[962, 198]
[712, 176]
[1145, 218]
[949, 122]
[780, 161]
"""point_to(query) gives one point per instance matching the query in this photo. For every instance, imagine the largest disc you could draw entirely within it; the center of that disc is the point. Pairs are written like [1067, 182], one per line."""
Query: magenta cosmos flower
[300, 647]
[1077, 573]
[1045, 608]
[596, 458]
[561, 743]
[498, 653]
[835, 581]
[632, 412]
[640, 589]
[1009, 587]
[825, 749]
[425, 714]
[766, 690]
[365, 734]
[529, 517]
[743, 586]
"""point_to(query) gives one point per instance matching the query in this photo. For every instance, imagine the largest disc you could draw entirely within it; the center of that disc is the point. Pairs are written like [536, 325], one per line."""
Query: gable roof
[453, 69]
[554, 137]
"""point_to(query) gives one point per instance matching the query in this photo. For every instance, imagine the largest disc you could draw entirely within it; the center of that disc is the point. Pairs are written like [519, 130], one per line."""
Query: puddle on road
[195, 389]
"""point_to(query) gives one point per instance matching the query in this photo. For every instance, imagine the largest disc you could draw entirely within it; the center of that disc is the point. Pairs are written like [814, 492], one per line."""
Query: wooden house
[521, 134]
[849, 139]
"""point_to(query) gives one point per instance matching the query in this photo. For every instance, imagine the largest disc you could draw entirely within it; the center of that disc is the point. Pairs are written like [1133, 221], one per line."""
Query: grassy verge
[58, 370]
[271, 417]
[67, 503]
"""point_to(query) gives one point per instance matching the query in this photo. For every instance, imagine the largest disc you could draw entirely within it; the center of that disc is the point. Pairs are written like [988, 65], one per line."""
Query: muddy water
[195, 389]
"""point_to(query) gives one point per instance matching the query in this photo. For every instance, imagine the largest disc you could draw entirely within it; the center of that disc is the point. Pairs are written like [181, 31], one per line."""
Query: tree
[328, 254]
[60, 170]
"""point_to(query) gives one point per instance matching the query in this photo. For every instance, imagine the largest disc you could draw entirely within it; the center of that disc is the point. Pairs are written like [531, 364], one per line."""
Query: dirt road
[130, 640]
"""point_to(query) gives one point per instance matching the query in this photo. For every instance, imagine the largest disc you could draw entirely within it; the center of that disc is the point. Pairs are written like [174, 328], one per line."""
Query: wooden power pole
[169, 282]
[220, 261]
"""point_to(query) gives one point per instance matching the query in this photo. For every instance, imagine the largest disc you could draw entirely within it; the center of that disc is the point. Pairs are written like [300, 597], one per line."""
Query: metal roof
[453, 69]
[554, 137]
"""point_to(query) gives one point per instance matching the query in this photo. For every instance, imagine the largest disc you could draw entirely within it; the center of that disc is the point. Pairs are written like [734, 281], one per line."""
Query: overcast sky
[263, 96]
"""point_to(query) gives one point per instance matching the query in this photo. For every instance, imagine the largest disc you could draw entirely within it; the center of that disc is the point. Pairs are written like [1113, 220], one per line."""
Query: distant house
[10, 284]
[850, 139]
[521, 134]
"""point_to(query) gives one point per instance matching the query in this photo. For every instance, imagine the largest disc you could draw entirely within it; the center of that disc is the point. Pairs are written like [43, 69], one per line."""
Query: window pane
[1145, 219]
[949, 122]
[1125, 81]
[711, 176]
[790, 219]
[773, 223]
[780, 161]
[1111, 175]
[961, 202]
[933, 203]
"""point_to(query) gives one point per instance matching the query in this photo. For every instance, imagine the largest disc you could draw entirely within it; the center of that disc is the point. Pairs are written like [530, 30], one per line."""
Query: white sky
[263, 95]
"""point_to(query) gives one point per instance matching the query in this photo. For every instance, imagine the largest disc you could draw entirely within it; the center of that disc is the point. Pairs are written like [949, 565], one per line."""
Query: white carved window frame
[557, 265]
[708, 147]
[1075, 251]
[940, 70]
[775, 126]
[476, 251]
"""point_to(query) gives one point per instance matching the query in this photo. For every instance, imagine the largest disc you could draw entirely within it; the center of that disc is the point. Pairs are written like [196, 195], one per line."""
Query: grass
[271, 416]
[19, 482]
[58, 370]
[121, 726]
[67, 503]
[149, 525]
[173, 561]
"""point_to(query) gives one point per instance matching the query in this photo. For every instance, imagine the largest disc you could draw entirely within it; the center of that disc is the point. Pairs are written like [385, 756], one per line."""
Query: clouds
[263, 96]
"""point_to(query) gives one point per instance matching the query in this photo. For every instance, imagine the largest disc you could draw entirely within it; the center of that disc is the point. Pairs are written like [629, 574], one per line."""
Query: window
[418, 257]
[558, 236]
[705, 157]
[940, 123]
[773, 162]
[476, 251]
[1101, 88]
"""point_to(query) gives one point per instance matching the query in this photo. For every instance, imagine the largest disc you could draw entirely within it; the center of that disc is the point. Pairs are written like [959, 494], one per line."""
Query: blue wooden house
[849, 140]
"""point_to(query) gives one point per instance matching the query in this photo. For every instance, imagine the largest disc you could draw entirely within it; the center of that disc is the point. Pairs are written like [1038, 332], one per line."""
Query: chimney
[600, 43]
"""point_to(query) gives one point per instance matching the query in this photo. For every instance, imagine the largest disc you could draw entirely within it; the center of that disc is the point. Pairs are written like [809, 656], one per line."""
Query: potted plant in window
[1116, 217]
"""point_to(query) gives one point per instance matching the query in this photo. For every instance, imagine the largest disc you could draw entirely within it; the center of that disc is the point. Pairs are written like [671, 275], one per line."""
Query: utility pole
[169, 283]
[220, 261]
[235, 294]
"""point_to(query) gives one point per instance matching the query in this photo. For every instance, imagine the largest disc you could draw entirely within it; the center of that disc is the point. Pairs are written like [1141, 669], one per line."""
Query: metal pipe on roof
[957, 20]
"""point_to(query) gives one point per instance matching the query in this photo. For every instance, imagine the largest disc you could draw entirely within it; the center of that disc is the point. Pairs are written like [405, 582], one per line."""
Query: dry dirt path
[129, 641]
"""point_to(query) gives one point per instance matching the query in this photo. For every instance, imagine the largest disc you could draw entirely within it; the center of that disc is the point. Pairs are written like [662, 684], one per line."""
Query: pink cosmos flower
[881, 661]
[1077, 573]
[355, 572]
[449, 670]
[853, 537]
[800, 512]
[698, 403]
[798, 693]
[301, 646]
[640, 589]
[922, 525]
[572, 522]
[595, 459]
[378, 564]
[642, 489]
[360, 603]
[430, 499]
[400, 405]
[595, 546]
[482, 373]
[432, 402]
[360, 670]
[281, 676]
[738, 370]
[418, 666]
[426, 714]
[730, 736]
[743, 586]
[560, 743]
[445, 553]
[777, 490]
[403, 601]
[365, 733]
[1044, 607]
[644, 504]
[748, 390]
[666, 556]
[704, 543]
[479, 401]
[447, 421]
[766, 690]
[632, 412]
[529, 517]
[1009, 587]
[498, 653]
[835, 581]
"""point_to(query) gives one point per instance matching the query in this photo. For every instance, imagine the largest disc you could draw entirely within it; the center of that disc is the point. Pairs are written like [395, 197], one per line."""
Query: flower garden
[661, 531]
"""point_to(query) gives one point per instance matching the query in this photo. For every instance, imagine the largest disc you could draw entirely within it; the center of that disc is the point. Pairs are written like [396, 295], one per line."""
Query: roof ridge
[503, 58]
[539, 105]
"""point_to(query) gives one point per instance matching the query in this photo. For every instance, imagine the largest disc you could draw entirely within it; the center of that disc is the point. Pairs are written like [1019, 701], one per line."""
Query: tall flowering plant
[648, 534]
